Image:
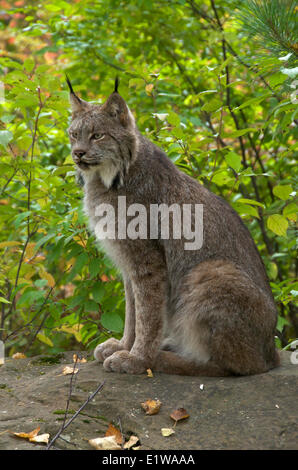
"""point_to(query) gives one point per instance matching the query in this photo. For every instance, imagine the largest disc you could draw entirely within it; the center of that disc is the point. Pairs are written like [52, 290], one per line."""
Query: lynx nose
[79, 154]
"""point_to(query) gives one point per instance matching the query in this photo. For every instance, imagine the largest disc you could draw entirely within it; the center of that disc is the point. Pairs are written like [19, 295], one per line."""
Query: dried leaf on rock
[151, 407]
[33, 436]
[18, 355]
[133, 440]
[105, 443]
[69, 370]
[167, 432]
[27, 435]
[76, 358]
[179, 414]
[112, 431]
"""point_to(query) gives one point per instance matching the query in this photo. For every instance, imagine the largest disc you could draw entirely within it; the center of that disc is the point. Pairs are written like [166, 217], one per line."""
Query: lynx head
[103, 137]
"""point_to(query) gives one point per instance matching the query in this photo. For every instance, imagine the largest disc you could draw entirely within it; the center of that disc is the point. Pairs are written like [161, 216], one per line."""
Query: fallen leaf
[112, 431]
[75, 358]
[149, 373]
[27, 435]
[105, 443]
[179, 414]
[167, 431]
[69, 370]
[18, 355]
[42, 438]
[131, 442]
[151, 407]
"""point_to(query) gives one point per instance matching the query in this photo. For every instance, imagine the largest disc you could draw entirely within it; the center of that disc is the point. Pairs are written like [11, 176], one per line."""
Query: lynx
[208, 311]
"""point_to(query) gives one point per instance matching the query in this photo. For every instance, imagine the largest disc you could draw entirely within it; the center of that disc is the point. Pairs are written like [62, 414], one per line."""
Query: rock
[256, 412]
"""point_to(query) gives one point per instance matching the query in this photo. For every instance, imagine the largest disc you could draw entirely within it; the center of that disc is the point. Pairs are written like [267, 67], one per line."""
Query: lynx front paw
[124, 361]
[106, 349]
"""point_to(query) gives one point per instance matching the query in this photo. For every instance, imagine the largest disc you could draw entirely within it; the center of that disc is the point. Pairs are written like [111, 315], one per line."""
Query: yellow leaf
[38, 258]
[149, 373]
[29, 274]
[133, 440]
[151, 407]
[112, 431]
[44, 339]
[18, 355]
[179, 414]
[79, 241]
[105, 443]
[41, 439]
[149, 89]
[75, 358]
[74, 330]
[278, 224]
[167, 432]
[69, 370]
[6, 244]
[27, 435]
[30, 250]
[48, 277]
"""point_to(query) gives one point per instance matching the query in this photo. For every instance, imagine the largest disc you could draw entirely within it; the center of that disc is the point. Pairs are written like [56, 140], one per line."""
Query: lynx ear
[116, 108]
[77, 105]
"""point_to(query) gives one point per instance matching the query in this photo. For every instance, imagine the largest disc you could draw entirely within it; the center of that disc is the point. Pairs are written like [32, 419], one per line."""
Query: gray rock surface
[257, 412]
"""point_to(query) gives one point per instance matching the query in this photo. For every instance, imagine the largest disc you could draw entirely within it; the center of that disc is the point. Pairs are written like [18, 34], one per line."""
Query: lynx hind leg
[224, 325]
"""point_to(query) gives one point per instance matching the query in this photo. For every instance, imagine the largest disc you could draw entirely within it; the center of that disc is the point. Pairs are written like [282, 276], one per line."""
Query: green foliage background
[217, 94]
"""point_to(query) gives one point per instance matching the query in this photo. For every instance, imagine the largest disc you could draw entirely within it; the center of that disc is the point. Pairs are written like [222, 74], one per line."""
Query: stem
[65, 425]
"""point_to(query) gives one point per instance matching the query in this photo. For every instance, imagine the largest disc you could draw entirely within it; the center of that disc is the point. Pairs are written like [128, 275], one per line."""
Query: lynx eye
[73, 135]
[98, 136]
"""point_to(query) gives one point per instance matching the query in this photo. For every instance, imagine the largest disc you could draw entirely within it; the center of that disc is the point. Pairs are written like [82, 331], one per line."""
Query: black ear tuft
[69, 84]
[77, 105]
[116, 84]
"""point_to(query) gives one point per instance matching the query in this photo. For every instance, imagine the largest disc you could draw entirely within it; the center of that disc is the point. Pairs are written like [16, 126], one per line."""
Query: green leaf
[278, 224]
[239, 133]
[222, 178]
[173, 119]
[290, 211]
[61, 170]
[10, 63]
[212, 105]
[272, 270]
[251, 202]
[29, 64]
[283, 191]
[233, 160]
[4, 301]
[137, 83]
[246, 209]
[253, 101]
[276, 79]
[91, 306]
[44, 339]
[112, 321]
[94, 267]
[98, 292]
[5, 138]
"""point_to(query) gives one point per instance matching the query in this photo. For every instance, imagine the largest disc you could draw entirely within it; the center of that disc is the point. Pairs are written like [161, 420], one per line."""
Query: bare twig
[66, 424]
